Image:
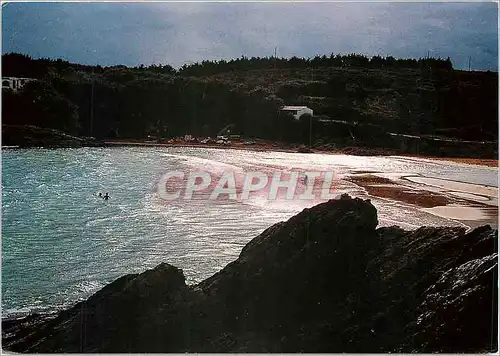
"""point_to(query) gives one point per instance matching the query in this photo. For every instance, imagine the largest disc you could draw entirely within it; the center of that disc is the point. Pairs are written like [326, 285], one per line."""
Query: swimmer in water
[100, 195]
[106, 196]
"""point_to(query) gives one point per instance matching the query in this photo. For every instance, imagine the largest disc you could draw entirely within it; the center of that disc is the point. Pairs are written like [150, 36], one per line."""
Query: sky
[183, 33]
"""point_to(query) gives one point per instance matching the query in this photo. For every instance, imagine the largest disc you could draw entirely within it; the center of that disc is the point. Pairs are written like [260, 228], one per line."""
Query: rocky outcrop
[324, 281]
[26, 136]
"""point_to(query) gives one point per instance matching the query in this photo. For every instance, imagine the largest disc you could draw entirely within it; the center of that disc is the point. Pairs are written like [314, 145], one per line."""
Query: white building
[297, 111]
[14, 83]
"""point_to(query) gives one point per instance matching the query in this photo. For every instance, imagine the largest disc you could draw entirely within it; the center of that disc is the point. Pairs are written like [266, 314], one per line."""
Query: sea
[61, 242]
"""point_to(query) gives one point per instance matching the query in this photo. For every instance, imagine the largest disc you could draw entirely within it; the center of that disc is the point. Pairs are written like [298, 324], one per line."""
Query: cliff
[327, 280]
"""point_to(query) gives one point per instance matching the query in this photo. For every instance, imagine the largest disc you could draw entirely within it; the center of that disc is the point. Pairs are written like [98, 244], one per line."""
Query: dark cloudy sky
[177, 33]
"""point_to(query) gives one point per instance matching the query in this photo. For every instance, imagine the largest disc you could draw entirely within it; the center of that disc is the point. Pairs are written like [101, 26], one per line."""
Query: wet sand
[386, 188]
[467, 191]
[474, 205]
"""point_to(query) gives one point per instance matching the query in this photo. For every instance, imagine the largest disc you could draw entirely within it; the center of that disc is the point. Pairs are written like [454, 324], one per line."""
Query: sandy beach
[262, 145]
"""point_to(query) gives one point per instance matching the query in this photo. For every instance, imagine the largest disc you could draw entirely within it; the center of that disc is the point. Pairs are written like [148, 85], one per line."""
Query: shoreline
[273, 147]
[266, 146]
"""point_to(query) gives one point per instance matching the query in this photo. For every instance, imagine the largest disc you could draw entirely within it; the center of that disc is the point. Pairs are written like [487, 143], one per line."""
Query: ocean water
[61, 243]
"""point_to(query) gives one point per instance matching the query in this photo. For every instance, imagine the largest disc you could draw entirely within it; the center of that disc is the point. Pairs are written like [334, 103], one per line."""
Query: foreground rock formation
[324, 281]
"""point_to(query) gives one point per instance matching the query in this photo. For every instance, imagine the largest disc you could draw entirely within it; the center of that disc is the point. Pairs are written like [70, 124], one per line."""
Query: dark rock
[324, 281]
[26, 136]
[304, 149]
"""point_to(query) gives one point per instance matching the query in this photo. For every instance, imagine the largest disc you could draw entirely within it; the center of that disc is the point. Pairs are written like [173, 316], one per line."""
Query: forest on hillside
[372, 95]
[21, 65]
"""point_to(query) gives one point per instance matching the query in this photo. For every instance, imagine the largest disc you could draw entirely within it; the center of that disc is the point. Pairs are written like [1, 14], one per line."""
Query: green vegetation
[368, 98]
